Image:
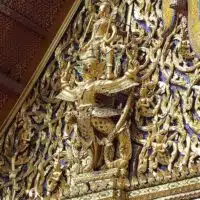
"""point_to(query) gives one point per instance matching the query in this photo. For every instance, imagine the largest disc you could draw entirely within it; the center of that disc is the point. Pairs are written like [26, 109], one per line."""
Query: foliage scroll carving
[117, 107]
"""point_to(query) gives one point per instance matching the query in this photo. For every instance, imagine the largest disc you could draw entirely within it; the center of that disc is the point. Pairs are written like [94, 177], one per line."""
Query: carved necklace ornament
[116, 112]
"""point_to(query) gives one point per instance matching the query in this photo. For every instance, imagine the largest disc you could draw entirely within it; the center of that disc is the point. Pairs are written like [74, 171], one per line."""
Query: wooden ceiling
[27, 28]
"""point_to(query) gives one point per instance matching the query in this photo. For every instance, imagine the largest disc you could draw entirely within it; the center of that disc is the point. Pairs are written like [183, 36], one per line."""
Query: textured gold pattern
[115, 115]
[174, 8]
[194, 24]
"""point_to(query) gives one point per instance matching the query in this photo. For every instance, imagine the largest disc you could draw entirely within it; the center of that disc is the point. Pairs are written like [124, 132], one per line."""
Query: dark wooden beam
[21, 19]
[11, 84]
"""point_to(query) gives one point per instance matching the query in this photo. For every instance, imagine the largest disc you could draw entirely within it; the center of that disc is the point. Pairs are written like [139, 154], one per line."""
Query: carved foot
[120, 164]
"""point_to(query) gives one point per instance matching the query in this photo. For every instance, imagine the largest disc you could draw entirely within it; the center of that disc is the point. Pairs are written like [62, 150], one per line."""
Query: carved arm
[114, 32]
[117, 85]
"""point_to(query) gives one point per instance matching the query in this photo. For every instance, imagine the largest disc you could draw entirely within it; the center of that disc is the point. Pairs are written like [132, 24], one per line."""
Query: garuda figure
[95, 124]
[103, 121]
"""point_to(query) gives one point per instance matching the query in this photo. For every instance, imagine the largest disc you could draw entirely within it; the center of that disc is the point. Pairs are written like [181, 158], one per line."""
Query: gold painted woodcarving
[114, 115]
[173, 8]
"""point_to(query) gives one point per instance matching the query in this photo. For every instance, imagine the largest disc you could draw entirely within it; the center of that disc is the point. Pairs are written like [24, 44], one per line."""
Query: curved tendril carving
[113, 78]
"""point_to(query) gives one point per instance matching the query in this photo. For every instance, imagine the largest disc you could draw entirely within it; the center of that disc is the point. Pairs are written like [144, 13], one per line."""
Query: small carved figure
[99, 44]
[54, 176]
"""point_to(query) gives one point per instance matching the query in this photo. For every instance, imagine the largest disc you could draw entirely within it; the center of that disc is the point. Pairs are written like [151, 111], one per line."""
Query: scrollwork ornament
[116, 109]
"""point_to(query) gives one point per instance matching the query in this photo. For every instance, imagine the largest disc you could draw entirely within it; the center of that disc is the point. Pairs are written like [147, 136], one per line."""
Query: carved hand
[131, 73]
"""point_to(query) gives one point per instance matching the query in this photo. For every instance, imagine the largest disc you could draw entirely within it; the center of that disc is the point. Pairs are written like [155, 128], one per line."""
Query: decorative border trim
[167, 190]
[106, 195]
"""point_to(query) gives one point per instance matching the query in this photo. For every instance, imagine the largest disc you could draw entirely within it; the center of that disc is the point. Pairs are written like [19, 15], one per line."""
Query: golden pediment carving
[115, 114]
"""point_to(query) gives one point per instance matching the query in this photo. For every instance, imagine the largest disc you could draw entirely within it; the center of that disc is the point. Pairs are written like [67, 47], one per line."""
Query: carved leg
[124, 152]
[153, 163]
[103, 125]
[106, 126]
[143, 161]
[109, 63]
[85, 128]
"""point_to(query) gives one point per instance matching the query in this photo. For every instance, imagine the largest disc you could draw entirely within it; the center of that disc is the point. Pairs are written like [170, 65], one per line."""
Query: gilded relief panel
[116, 112]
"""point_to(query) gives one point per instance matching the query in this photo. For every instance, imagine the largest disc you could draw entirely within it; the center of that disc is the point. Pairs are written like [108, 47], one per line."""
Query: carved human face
[90, 69]
[104, 10]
